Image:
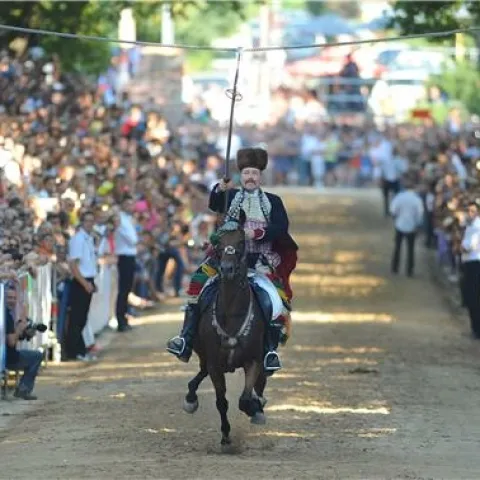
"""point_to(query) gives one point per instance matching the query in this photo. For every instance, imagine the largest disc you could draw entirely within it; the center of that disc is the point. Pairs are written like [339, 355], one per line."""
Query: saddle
[265, 293]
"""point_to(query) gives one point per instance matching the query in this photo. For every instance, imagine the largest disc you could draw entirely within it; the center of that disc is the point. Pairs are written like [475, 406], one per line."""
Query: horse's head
[231, 248]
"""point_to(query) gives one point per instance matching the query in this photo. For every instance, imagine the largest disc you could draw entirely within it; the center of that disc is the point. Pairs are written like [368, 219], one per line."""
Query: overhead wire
[233, 94]
[77, 36]
[445, 33]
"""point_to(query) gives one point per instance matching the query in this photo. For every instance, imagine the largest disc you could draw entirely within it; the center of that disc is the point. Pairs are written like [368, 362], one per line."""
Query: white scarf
[256, 205]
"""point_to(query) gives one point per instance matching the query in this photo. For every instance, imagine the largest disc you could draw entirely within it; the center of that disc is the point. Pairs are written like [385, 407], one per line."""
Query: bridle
[232, 341]
[240, 259]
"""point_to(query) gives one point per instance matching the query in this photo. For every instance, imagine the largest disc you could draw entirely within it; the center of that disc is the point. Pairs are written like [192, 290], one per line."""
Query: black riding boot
[271, 362]
[182, 345]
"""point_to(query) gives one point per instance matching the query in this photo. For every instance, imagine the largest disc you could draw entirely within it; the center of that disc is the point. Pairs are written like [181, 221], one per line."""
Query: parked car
[419, 62]
[376, 59]
[395, 95]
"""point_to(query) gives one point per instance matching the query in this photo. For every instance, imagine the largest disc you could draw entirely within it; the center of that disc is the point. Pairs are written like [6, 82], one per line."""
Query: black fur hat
[252, 158]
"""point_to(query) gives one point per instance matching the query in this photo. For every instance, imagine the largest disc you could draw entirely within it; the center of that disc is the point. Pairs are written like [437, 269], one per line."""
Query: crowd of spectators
[451, 179]
[67, 148]
[64, 150]
[442, 165]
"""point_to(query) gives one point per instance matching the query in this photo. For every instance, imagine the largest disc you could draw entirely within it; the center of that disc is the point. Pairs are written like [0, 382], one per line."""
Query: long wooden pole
[234, 97]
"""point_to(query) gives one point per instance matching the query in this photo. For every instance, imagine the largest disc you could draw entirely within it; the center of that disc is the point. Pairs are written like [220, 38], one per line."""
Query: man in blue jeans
[28, 360]
[174, 254]
[167, 244]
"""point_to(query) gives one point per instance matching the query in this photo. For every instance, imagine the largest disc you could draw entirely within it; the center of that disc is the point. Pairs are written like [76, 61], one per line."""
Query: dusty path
[379, 382]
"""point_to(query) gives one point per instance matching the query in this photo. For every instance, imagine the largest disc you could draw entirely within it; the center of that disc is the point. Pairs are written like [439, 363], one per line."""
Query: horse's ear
[242, 218]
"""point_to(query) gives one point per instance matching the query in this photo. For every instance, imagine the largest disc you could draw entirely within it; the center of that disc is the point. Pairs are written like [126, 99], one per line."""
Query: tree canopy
[426, 17]
[461, 83]
[346, 8]
[196, 21]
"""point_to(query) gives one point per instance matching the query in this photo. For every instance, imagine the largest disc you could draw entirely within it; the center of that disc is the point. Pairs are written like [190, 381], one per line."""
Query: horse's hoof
[190, 407]
[262, 400]
[228, 448]
[258, 419]
[226, 441]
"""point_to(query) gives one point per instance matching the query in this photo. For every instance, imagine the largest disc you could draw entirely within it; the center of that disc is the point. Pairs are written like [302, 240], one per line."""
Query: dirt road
[379, 381]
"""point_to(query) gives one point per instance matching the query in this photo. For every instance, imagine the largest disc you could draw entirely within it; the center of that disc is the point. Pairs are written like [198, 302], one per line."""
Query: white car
[404, 84]
[417, 63]
[393, 96]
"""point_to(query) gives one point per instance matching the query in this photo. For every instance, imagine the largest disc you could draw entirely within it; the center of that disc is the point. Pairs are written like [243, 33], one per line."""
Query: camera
[32, 329]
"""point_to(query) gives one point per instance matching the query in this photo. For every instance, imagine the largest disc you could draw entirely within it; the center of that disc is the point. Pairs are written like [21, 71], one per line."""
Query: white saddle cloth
[266, 284]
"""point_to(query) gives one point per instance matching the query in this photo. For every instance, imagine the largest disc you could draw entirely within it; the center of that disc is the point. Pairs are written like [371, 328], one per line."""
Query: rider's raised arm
[216, 203]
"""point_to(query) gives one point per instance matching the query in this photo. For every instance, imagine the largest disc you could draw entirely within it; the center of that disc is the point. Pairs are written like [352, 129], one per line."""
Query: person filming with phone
[83, 265]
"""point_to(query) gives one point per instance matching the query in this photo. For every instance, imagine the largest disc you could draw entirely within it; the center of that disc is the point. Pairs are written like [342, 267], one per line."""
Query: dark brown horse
[231, 333]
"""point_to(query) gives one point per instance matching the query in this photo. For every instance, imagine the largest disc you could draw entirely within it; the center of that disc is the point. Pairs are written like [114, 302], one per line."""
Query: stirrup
[177, 350]
[271, 354]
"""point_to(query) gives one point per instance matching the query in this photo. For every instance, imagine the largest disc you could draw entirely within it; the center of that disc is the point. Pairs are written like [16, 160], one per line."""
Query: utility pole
[264, 70]
[127, 28]
[168, 26]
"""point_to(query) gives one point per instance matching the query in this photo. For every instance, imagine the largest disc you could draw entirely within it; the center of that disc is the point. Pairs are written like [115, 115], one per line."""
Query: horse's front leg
[190, 404]
[260, 388]
[249, 403]
[218, 380]
[259, 418]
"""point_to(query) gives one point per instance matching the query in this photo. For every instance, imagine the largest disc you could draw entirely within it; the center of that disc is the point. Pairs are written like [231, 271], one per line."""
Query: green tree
[426, 17]
[196, 22]
[212, 20]
[314, 7]
[346, 8]
[461, 83]
[86, 18]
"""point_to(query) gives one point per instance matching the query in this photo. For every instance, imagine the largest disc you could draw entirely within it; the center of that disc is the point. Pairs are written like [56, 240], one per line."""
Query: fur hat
[252, 158]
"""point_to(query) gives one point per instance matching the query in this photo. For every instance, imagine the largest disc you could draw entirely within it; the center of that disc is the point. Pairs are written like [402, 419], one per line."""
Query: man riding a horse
[271, 251]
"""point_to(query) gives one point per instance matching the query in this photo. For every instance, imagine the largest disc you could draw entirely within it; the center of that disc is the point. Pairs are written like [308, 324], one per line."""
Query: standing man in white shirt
[126, 240]
[471, 267]
[312, 150]
[388, 167]
[407, 210]
[83, 265]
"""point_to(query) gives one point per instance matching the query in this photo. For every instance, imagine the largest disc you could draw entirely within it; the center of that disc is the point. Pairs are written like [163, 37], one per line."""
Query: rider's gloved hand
[249, 234]
[225, 184]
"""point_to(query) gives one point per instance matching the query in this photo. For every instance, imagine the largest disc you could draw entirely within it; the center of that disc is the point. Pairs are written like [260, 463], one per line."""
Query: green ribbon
[215, 238]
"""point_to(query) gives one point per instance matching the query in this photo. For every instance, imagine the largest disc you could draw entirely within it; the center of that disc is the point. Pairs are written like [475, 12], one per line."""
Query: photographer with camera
[28, 360]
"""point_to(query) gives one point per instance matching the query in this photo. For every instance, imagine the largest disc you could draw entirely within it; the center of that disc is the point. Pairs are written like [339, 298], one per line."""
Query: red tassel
[194, 289]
